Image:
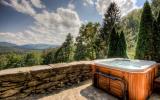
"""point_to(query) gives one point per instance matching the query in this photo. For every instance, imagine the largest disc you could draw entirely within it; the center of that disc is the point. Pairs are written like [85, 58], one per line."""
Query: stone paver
[83, 92]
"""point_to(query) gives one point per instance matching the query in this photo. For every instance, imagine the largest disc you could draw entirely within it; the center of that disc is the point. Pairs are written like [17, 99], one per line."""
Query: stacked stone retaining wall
[18, 83]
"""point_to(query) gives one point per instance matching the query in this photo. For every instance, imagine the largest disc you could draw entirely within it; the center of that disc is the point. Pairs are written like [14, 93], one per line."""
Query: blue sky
[49, 21]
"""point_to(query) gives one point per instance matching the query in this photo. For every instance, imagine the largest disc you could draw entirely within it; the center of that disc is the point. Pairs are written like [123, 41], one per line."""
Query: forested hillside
[6, 47]
[26, 58]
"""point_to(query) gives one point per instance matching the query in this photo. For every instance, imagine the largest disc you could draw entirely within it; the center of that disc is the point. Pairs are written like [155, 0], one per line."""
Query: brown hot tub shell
[139, 84]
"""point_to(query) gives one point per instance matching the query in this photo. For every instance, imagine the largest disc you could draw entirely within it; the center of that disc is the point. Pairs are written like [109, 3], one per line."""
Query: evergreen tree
[85, 42]
[33, 58]
[111, 19]
[66, 51]
[49, 57]
[155, 7]
[113, 44]
[130, 25]
[156, 39]
[15, 60]
[3, 62]
[59, 55]
[80, 53]
[92, 30]
[122, 46]
[99, 47]
[158, 22]
[144, 48]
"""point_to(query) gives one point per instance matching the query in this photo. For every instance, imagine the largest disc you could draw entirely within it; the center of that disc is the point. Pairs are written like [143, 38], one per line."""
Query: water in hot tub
[128, 64]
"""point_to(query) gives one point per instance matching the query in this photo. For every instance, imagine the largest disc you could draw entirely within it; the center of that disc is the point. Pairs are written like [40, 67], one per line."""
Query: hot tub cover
[125, 64]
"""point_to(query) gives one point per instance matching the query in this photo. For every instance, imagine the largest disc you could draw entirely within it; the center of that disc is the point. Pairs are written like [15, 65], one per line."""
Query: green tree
[90, 34]
[111, 19]
[15, 60]
[158, 22]
[130, 25]
[33, 58]
[113, 44]
[144, 48]
[122, 46]
[156, 39]
[80, 52]
[100, 47]
[3, 62]
[59, 55]
[155, 7]
[85, 42]
[66, 52]
[48, 56]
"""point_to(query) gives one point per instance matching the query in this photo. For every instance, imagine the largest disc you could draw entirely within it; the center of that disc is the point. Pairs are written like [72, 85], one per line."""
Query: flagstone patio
[84, 91]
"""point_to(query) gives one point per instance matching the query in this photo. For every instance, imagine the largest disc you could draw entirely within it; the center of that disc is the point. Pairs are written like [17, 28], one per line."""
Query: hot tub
[124, 77]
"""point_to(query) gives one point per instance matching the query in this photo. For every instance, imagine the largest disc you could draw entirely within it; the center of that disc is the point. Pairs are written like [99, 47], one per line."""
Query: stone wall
[18, 83]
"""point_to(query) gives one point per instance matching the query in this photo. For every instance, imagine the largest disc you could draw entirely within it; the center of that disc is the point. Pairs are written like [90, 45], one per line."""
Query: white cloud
[88, 2]
[52, 27]
[71, 6]
[16, 38]
[37, 4]
[22, 6]
[124, 5]
[57, 24]
[49, 27]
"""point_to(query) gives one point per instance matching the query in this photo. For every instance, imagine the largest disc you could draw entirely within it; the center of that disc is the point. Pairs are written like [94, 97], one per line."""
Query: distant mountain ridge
[38, 46]
[6, 44]
[10, 47]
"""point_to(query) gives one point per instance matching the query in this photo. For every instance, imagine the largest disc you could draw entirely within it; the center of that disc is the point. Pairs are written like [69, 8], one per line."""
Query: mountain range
[7, 47]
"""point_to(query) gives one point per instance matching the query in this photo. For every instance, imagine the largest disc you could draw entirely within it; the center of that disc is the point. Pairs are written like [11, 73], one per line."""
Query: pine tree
[48, 58]
[3, 62]
[122, 46]
[155, 7]
[80, 53]
[33, 58]
[158, 21]
[113, 44]
[99, 47]
[66, 52]
[156, 39]
[69, 48]
[111, 19]
[144, 48]
[85, 42]
[59, 55]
